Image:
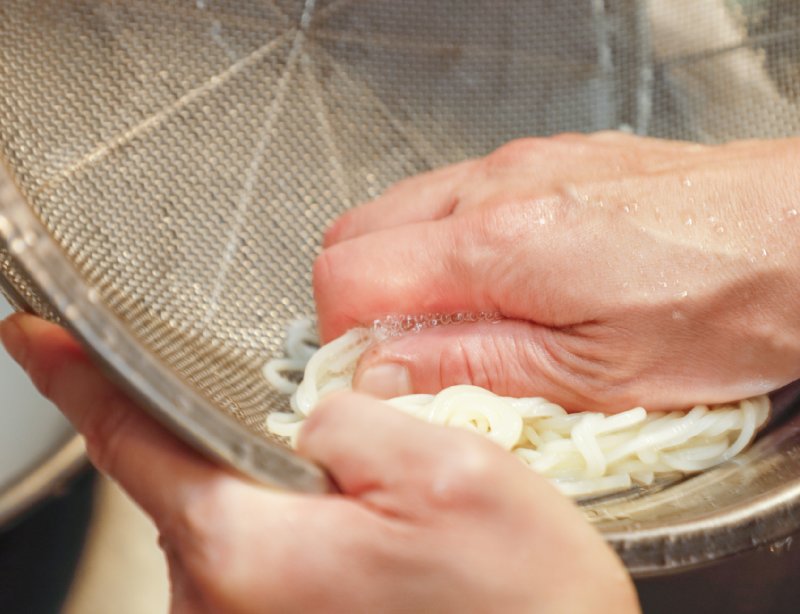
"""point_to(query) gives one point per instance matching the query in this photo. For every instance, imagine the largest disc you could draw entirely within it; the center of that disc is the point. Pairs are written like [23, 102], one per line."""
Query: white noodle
[583, 453]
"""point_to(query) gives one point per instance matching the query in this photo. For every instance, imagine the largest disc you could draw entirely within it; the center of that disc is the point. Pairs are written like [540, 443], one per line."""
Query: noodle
[582, 453]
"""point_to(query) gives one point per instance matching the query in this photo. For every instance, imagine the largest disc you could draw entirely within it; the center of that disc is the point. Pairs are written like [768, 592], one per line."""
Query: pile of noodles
[584, 453]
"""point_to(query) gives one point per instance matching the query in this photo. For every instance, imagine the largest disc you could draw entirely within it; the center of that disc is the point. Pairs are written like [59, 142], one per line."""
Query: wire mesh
[186, 155]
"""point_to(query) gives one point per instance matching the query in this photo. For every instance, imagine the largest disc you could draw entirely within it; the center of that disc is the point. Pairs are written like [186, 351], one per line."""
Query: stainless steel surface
[748, 502]
[168, 168]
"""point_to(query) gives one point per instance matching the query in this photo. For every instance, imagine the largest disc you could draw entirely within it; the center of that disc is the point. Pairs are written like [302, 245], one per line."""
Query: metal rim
[169, 400]
[767, 516]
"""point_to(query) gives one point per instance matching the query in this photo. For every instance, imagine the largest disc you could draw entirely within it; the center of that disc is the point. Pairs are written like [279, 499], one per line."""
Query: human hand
[628, 271]
[429, 520]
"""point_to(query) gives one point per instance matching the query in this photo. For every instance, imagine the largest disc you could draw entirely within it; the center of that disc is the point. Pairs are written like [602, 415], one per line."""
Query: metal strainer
[166, 169]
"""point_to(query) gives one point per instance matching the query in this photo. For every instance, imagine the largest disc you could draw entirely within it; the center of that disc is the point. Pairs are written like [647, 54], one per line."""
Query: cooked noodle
[583, 453]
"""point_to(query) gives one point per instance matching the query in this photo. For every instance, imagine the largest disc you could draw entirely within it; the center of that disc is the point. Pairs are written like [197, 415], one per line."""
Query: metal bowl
[166, 169]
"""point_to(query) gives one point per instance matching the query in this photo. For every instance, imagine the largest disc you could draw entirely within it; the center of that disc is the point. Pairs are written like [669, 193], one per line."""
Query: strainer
[166, 169]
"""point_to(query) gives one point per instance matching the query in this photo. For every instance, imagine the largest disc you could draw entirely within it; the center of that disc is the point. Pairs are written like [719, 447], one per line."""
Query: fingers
[391, 460]
[417, 268]
[510, 358]
[156, 469]
[426, 197]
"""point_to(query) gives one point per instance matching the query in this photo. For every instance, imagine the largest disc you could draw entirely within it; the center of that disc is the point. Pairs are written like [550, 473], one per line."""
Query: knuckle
[325, 422]
[461, 363]
[197, 529]
[478, 463]
[568, 365]
[313, 427]
[510, 153]
[487, 361]
[463, 477]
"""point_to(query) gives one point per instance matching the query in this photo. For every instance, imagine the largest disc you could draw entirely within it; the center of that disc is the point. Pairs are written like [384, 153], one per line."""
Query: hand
[430, 519]
[627, 270]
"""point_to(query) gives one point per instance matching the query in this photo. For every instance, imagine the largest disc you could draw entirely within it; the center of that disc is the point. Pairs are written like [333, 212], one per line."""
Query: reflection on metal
[43, 481]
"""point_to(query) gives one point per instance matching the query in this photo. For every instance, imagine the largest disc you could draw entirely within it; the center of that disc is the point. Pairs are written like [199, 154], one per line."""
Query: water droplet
[781, 546]
[30, 238]
[683, 294]
[626, 209]
[713, 219]
[71, 312]
[17, 246]
[720, 230]
[687, 182]
[764, 252]
[688, 220]
[791, 213]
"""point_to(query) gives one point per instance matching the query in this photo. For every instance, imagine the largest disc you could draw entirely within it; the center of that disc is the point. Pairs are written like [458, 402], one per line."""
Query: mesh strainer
[166, 169]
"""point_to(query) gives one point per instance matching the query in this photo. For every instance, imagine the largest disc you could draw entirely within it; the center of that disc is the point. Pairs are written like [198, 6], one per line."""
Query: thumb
[510, 357]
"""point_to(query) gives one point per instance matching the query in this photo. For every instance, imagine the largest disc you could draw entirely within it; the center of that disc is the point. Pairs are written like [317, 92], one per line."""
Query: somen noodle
[582, 453]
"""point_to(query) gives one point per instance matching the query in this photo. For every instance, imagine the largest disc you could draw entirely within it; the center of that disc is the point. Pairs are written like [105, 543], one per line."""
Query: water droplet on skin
[712, 219]
[688, 221]
[626, 209]
[687, 182]
[791, 213]
[720, 230]
[764, 252]
[683, 294]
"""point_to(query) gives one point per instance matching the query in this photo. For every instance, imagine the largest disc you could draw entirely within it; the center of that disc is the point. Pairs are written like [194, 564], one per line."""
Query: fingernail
[14, 339]
[384, 381]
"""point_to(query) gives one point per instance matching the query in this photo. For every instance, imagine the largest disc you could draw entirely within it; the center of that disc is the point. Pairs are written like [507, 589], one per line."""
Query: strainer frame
[646, 551]
[141, 374]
